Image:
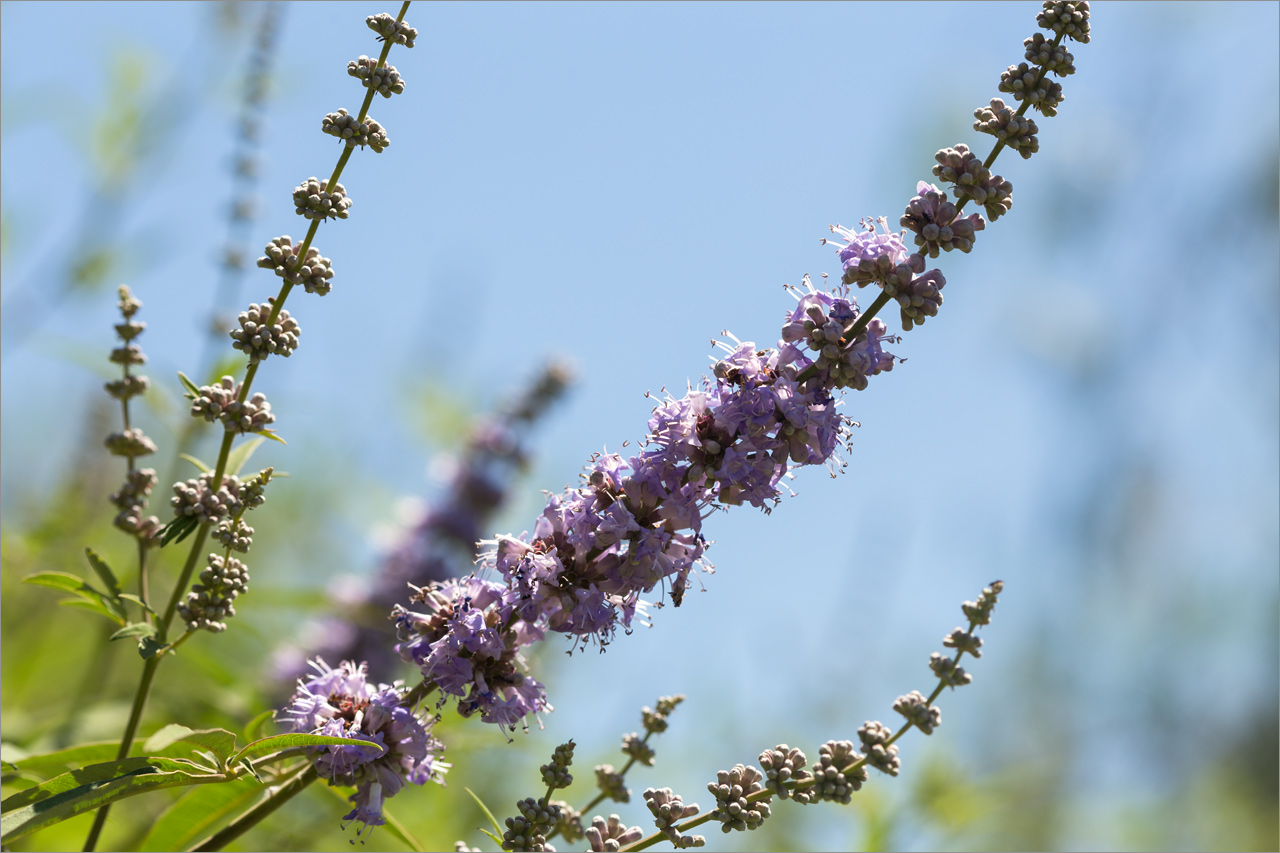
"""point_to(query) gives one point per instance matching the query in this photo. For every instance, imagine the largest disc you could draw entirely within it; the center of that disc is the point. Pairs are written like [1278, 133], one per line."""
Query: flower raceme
[635, 524]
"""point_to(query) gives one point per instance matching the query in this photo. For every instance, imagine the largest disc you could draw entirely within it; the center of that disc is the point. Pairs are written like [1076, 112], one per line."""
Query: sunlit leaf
[220, 742]
[278, 742]
[91, 787]
[253, 730]
[192, 390]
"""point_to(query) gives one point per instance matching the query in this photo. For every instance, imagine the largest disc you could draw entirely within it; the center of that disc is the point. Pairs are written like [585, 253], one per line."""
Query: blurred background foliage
[1092, 417]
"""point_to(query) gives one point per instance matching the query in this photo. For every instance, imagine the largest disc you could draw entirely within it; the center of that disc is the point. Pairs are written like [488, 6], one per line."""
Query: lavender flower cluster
[636, 524]
[342, 703]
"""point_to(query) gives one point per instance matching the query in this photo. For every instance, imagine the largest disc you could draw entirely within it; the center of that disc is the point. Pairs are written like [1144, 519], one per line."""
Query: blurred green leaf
[134, 629]
[274, 436]
[253, 731]
[89, 788]
[237, 458]
[202, 467]
[192, 390]
[196, 813]
[128, 596]
[104, 572]
[53, 763]
[487, 813]
[220, 742]
[93, 599]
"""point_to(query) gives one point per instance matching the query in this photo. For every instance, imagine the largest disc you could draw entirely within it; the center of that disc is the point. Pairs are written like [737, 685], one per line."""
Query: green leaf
[220, 742]
[53, 763]
[178, 529]
[192, 390]
[92, 787]
[196, 813]
[237, 458]
[11, 753]
[92, 606]
[104, 572]
[253, 730]
[128, 596]
[134, 629]
[493, 820]
[249, 768]
[200, 466]
[103, 604]
[273, 435]
[496, 839]
[278, 742]
[149, 647]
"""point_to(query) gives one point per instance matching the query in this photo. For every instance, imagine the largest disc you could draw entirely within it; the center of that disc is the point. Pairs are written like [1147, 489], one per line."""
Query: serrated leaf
[200, 466]
[237, 458]
[196, 813]
[192, 390]
[253, 730]
[278, 742]
[134, 629]
[178, 529]
[493, 820]
[90, 788]
[104, 572]
[273, 435]
[220, 742]
[128, 596]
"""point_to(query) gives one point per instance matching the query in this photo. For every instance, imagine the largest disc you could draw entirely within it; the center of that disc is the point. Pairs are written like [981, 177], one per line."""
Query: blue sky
[1092, 416]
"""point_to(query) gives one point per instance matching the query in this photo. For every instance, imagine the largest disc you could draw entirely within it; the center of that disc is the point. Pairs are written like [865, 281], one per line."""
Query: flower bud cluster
[131, 443]
[879, 753]
[195, 498]
[948, 672]
[731, 789]
[355, 132]
[529, 831]
[610, 836]
[235, 535]
[210, 601]
[312, 199]
[836, 776]
[979, 612]
[221, 402]
[1015, 131]
[656, 720]
[612, 784]
[383, 79]
[258, 338]
[634, 746]
[1029, 83]
[388, 27]
[390, 745]
[918, 711]
[668, 810]
[312, 272]
[964, 169]
[128, 387]
[570, 824]
[1066, 17]
[132, 500]
[784, 765]
[937, 223]
[556, 774]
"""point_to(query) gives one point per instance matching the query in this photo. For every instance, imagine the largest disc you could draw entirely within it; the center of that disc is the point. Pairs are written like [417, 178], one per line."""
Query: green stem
[277, 796]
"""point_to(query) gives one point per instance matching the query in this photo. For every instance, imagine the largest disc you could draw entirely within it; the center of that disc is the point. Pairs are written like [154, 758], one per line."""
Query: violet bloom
[342, 703]
[634, 525]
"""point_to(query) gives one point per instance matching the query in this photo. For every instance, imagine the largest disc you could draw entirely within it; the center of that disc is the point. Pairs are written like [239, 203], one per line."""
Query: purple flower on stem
[342, 703]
